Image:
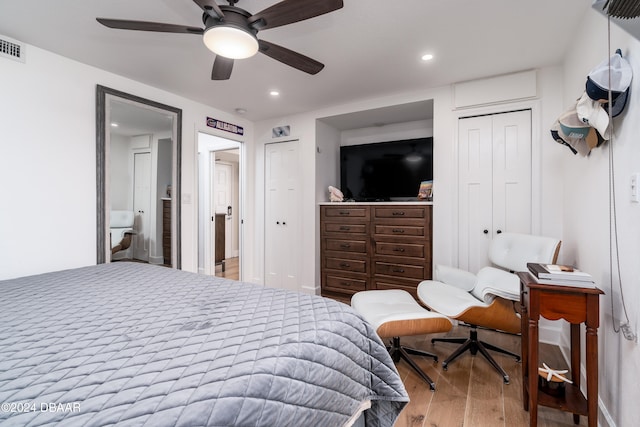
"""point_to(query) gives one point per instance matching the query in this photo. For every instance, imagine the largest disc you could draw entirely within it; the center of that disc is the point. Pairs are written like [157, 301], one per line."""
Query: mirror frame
[101, 169]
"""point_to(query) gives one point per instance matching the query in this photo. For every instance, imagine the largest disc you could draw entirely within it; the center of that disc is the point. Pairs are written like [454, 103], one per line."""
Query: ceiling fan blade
[291, 58]
[159, 27]
[221, 68]
[290, 11]
[211, 7]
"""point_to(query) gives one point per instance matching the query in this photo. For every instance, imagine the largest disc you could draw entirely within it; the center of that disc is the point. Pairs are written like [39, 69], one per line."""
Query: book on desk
[555, 274]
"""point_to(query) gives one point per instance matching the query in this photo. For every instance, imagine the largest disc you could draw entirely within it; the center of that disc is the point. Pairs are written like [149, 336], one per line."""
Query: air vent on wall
[11, 49]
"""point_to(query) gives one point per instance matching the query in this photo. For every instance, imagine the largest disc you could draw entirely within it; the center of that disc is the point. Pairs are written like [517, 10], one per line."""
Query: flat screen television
[385, 171]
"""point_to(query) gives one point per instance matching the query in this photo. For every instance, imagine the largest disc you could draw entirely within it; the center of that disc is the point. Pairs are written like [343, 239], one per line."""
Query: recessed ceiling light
[114, 125]
[274, 93]
[427, 57]
[241, 110]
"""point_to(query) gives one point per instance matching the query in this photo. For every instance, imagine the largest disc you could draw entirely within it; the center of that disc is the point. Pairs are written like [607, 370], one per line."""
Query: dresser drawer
[344, 284]
[335, 212]
[400, 249]
[399, 270]
[409, 285]
[358, 246]
[335, 227]
[400, 212]
[400, 230]
[353, 265]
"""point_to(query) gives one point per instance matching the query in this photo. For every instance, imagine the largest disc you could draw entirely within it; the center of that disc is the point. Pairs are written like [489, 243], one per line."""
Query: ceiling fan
[231, 32]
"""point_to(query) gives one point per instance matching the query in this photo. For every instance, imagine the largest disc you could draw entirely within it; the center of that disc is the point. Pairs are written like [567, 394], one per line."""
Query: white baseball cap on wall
[592, 113]
[613, 74]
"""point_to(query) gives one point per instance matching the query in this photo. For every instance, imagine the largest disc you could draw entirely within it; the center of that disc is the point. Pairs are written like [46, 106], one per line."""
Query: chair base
[473, 344]
[398, 352]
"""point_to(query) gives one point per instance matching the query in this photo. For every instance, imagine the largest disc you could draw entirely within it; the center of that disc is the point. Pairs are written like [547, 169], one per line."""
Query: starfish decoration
[554, 373]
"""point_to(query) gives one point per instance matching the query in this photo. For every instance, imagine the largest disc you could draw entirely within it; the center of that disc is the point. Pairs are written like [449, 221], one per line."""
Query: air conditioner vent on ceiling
[11, 49]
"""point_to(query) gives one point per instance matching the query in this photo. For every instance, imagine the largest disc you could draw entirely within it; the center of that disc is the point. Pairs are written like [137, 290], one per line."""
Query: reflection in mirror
[138, 181]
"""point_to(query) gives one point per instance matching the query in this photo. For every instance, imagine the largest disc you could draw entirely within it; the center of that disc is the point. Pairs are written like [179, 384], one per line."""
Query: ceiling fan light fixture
[230, 42]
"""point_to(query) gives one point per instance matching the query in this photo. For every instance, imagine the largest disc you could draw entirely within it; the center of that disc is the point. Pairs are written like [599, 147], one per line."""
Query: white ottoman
[395, 313]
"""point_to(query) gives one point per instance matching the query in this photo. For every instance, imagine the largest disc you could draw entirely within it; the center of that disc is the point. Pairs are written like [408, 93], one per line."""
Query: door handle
[229, 210]
[485, 231]
[499, 231]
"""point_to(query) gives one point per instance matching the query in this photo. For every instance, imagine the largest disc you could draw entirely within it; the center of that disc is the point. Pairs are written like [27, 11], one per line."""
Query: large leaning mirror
[138, 179]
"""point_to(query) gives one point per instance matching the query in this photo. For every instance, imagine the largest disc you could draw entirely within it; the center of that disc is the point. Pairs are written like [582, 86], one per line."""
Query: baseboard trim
[156, 260]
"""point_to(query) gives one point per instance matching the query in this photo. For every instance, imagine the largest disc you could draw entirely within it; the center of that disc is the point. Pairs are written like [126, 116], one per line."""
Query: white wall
[586, 219]
[391, 132]
[120, 185]
[47, 162]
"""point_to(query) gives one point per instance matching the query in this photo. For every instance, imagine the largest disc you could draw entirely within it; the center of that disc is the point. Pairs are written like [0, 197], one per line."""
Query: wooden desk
[575, 305]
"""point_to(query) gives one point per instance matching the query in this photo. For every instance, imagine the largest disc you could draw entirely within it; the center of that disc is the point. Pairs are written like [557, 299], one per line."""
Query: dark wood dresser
[374, 246]
[166, 231]
[220, 239]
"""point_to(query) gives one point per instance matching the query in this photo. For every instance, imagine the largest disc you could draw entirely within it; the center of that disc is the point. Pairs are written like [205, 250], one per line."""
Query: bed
[134, 344]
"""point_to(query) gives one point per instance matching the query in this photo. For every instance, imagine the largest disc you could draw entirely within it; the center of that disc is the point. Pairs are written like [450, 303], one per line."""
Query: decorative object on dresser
[374, 246]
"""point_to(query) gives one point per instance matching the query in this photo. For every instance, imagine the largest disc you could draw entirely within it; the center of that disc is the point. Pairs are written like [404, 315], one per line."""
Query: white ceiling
[370, 48]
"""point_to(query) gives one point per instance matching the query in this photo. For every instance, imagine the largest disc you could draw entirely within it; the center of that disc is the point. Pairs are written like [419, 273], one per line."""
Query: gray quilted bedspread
[131, 344]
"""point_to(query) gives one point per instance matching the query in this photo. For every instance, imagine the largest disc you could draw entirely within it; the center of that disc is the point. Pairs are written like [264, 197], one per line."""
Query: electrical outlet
[635, 191]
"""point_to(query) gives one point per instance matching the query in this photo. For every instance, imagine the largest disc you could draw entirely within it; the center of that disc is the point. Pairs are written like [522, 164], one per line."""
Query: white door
[494, 164]
[223, 201]
[141, 204]
[282, 212]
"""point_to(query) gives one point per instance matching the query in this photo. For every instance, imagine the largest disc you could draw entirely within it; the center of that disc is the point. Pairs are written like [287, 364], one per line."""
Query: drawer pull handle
[345, 246]
[401, 213]
[347, 284]
[344, 228]
[345, 213]
[398, 250]
[398, 230]
[398, 270]
[345, 265]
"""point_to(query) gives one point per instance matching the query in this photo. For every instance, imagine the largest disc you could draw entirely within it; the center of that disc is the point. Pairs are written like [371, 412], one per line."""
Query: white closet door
[282, 215]
[475, 190]
[512, 172]
[494, 192]
[223, 199]
[141, 204]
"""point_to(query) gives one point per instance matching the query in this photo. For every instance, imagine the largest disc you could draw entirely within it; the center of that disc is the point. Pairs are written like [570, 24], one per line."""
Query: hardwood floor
[470, 392]
[231, 269]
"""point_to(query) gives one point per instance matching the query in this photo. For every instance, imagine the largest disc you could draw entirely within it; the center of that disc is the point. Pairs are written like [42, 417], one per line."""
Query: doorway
[220, 165]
